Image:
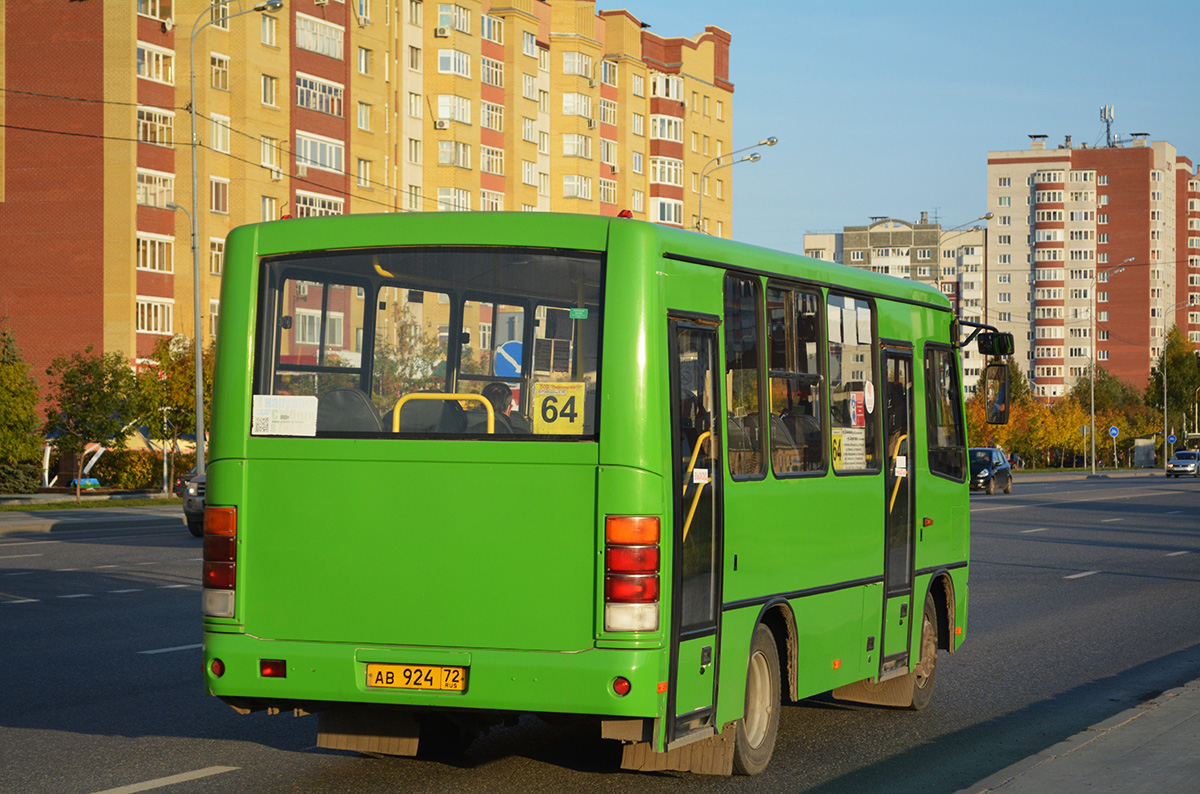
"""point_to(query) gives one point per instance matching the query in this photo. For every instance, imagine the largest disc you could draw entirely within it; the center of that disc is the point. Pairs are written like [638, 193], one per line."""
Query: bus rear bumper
[322, 674]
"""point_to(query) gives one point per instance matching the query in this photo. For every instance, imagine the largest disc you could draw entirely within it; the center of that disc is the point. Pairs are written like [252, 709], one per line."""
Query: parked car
[1185, 461]
[193, 505]
[181, 481]
[989, 470]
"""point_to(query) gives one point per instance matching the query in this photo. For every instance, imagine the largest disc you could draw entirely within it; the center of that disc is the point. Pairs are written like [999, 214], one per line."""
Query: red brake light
[219, 575]
[272, 668]
[631, 588]
[631, 559]
[220, 548]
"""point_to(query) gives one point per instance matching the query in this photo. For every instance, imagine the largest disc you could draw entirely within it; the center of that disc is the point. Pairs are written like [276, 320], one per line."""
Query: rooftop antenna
[1107, 116]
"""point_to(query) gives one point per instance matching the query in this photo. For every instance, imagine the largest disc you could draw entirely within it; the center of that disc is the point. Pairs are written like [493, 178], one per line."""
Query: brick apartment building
[1118, 224]
[321, 107]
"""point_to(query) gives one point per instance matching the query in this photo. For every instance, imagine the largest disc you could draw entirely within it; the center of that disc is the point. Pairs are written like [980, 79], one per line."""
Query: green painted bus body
[490, 554]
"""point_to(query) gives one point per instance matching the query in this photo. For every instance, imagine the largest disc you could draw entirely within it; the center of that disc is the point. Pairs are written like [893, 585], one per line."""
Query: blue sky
[890, 108]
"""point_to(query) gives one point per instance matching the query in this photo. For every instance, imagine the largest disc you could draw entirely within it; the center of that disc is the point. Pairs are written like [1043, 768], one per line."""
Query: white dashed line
[168, 781]
[23, 601]
[1040, 529]
[1081, 575]
[170, 586]
[77, 595]
[18, 556]
[1110, 520]
[170, 650]
[130, 590]
[1177, 553]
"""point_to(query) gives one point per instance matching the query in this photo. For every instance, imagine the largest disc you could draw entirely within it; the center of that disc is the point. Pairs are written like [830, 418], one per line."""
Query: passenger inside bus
[501, 397]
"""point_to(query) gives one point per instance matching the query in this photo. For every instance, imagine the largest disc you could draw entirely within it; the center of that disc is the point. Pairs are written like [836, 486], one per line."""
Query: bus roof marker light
[625, 214]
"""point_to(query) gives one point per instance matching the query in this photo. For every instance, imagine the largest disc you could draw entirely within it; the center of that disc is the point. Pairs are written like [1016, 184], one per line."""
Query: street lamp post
[715, 164]
[194, 215]
[1115, 269]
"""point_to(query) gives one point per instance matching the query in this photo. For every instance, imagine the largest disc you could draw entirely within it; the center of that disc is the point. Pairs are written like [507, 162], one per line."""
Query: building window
[219, 69]
[414, 151]
[414, 58]
[528, 172]
[491, 28]
[319, 36]
[155, 63]
[575, 145]
[491, 161]
[270, 208]
[364, 116]
[155, 188]
[489, 201]
[666, 86]
[159, 9]
[576, 186]
[452, 199]
[363, 168]
[320, 95]
[608, 72]
[666, 128]
[638, 201]
[269, 86]
[529, 44]
[577, 63]
[155, 252]
[454, 62]
[454, 108]
[608, 152]
[492, 72]
[637, 84]
[218, 195]
[454, 16]
[608, 191]
[269, 26]
[454, 153]
[155, 315]
[216, 256]
[320, 152]
[491, 116]
[214, 315]
[666, 171]
[312, 204]
[637, 162]
[577, 105]
[608, 111]
[666, 211]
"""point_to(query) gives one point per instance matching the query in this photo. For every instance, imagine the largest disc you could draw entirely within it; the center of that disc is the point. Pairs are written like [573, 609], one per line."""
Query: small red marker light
[272, 668]
[218, 668]
[837, 664]
[928, 522]
[624, 214]
[662, 687]
[622, 686]
[957, 630]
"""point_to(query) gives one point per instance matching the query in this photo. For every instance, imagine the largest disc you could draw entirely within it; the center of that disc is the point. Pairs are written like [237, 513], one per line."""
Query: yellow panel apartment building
[321, 107]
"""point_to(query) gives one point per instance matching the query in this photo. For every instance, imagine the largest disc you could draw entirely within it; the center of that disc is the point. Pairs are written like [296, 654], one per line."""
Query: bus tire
[926, 670]
[756, 730]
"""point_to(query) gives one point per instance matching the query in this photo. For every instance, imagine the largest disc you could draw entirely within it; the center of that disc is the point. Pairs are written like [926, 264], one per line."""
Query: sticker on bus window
[577, 314]
[558, 408]
[849, 448]
[284, 415]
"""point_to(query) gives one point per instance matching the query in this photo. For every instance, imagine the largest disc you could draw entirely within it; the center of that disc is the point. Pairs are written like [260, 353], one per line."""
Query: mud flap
[896, 692]
[368, 731]
[711, 756]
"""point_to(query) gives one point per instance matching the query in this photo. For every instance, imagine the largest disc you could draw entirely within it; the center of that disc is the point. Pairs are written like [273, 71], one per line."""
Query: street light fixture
[1115, 269]
[715, 164]
[193, 216]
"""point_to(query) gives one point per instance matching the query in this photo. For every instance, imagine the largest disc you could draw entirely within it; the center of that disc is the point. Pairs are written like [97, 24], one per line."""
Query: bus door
[898, 511]
[696, 531]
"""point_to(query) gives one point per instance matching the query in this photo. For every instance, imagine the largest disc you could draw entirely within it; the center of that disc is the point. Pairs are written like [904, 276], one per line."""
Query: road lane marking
[98, 567]
[1110, 520]
[18, 556]
[20, 573]
[1150, 491]
[1081, 575]
[147, 785]
[1174, 512]
[23, 601]
[130, 590]
[77, 595]
[1177, 553]
[171, 650]
[64, 570]
[171, 586]
[1040, 529]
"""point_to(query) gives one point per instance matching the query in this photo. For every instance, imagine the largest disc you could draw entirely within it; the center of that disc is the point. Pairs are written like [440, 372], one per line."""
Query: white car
[1183, 462]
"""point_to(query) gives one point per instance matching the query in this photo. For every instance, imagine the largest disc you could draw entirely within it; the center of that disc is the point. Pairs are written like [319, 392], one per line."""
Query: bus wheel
[756, 730]
[926, 669]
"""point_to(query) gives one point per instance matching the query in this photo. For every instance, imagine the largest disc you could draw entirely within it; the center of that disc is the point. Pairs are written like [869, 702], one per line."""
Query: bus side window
[853, 404]
[797, 435]
[943, 409]
[743, 402]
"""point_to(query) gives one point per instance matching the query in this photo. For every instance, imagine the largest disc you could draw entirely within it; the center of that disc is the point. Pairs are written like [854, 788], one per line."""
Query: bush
[20, 478]
[129, 469]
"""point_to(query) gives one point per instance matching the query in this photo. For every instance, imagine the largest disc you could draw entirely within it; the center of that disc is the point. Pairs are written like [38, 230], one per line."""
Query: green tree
[20, 440]
[1182, 364]
[166, 390]
[93, 398]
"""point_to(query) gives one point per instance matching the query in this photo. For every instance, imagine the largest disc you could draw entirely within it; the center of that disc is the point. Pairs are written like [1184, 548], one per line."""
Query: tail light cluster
[631, 573]
[220, 561]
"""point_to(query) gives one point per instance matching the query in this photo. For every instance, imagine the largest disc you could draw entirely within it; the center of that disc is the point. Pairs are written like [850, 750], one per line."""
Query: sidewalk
[116, 517]
[1154, 747]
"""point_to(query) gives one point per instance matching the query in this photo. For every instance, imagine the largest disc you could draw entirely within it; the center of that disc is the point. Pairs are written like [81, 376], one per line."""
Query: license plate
[417, 676]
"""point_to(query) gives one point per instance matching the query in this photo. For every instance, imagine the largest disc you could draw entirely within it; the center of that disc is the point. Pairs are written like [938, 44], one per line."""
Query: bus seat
[347, 411]
[432, 416]
[477, 422]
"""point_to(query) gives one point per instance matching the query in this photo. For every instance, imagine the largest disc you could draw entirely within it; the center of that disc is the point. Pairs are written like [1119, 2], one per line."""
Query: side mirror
[996, 393]
[995, 344]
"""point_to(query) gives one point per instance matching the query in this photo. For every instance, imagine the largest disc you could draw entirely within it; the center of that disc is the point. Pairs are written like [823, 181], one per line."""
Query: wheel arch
[777, 615]
[941, 589]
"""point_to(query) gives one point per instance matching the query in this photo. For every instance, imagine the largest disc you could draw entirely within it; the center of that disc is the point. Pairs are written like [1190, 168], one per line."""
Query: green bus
[471, 466]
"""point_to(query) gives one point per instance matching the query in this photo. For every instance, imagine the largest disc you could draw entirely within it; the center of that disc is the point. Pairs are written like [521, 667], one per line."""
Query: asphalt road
[1083, 603]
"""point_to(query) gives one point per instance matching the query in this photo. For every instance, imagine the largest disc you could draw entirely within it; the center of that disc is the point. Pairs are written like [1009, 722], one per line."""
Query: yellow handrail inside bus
[691, 466]
[491, 412]
[895, 454]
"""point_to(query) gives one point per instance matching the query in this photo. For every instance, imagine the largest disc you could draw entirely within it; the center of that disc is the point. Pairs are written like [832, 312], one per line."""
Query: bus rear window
[496, 344]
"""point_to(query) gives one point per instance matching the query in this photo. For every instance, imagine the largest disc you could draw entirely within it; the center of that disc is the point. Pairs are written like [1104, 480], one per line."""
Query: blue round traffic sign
[508, 359]
[1171, 439]
[1113, 431]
